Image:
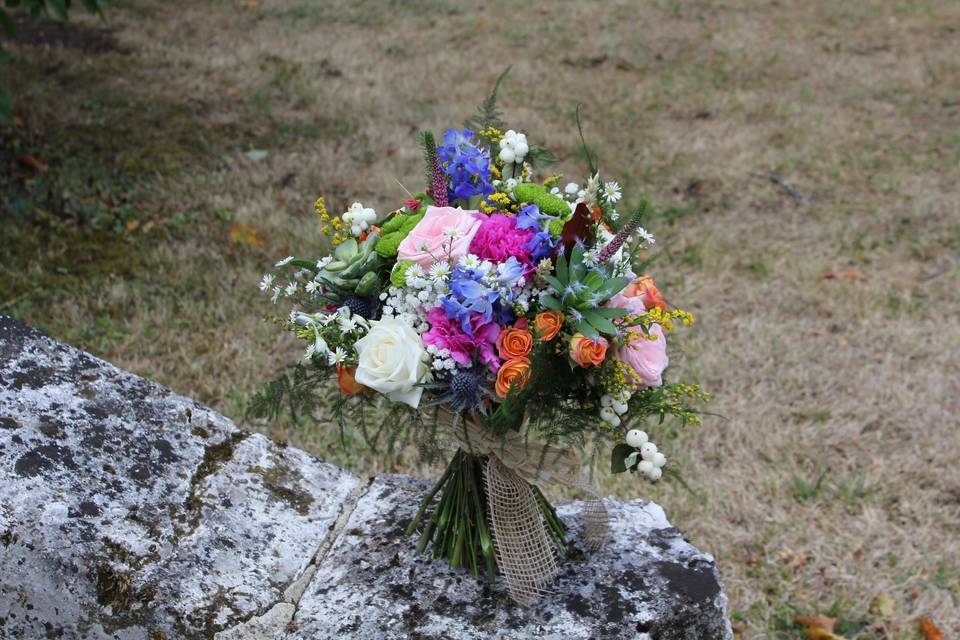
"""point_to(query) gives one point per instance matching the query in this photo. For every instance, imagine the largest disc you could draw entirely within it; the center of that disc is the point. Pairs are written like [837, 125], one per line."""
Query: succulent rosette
[512, 303]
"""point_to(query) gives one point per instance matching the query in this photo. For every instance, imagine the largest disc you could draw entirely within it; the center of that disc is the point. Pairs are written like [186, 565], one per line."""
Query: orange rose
[348, 384]
[515, 371]
[514, 343]
[548, 324]
[644, 287]
[586, 352]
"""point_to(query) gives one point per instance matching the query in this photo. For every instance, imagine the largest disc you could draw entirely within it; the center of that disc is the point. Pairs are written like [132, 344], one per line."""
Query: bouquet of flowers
[506, 317]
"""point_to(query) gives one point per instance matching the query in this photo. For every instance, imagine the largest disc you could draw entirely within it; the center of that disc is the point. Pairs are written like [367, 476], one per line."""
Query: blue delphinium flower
[467, 164]
[541, 245]
[529, 217]
[468, 295]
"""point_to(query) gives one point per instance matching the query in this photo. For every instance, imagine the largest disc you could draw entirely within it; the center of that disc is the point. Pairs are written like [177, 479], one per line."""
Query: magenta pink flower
[646, 358]
[498, 238]
[447, 334]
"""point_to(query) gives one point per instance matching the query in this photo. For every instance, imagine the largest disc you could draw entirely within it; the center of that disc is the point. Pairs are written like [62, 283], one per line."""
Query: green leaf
[587, 329]
[540, 158]
[256, 155]
[618, 457]
[551, 303]
[613, 287]
[561, 268]
[593, 280]
[611, 313]
[599, 322]
[555, 283]
[346, 250]
[577, 268]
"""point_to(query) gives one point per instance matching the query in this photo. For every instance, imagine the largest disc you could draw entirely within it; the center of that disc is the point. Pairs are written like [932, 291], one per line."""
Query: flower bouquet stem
[458, 528]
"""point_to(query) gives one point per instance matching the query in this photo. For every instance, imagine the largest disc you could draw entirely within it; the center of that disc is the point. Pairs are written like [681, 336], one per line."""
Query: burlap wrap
[524, 549]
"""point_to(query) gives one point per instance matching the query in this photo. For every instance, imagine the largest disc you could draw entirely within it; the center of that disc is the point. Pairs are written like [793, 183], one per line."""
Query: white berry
[619, 407]
[636, 438]
[659, 459]
[645, 467]
[606, 401]
[655, 474]
[507, 155]
[648, 450]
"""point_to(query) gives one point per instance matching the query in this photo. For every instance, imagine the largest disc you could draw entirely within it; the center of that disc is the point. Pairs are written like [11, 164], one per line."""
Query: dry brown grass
[855, 105]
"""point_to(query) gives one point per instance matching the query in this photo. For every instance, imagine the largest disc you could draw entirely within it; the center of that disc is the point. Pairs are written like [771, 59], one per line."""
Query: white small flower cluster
[612, 407]
[359, 218]
[422, 290]
[652, 462]
[440, 359]
[347, 323]
[513, 147]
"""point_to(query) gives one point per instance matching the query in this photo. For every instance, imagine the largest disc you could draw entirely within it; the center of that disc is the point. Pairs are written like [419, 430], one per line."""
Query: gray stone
[648, 582]
[127, 511]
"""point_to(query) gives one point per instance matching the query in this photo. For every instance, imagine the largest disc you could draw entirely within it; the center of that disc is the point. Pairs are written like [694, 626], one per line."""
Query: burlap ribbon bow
[525, 552]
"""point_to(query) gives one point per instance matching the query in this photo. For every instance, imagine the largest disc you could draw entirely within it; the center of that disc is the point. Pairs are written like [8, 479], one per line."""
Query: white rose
[392, 360]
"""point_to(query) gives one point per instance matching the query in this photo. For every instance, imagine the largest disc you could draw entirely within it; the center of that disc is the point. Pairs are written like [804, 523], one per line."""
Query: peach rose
[586, 352]
[547, 324]
[514, 343]
[646, 289]
[515, 371]
[430, 240]
[348, 384]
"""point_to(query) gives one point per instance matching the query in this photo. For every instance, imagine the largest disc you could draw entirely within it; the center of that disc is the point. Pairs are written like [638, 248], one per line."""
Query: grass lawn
[804, 157]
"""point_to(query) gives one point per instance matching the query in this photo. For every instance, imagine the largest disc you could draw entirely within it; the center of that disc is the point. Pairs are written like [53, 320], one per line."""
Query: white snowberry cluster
[612, 407]
[652, 461]
[359, 218]
[513, 147]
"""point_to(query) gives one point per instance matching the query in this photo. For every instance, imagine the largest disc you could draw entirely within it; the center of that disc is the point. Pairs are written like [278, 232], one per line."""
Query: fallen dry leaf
[247, 234]
[928, 630]
[132, 224]
[883, 605]
[32, 162]
[818, 627]
[821, 621]
[844, 275]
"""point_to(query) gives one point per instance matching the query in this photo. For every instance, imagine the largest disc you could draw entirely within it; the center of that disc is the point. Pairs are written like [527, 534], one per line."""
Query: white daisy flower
[291, 289]
[451, 232]
[267, 282]
[285, 261]
[440, 271]
[645, 236]
[612, 191]
[312, 287]
[346, 323]
[337, 356]
[276, 295]
[470, 261]
[323, 262]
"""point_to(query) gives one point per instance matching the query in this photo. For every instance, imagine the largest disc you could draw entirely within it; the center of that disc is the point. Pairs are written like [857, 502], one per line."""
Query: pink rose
[647, 358]
[633, 304]
[430, 241]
